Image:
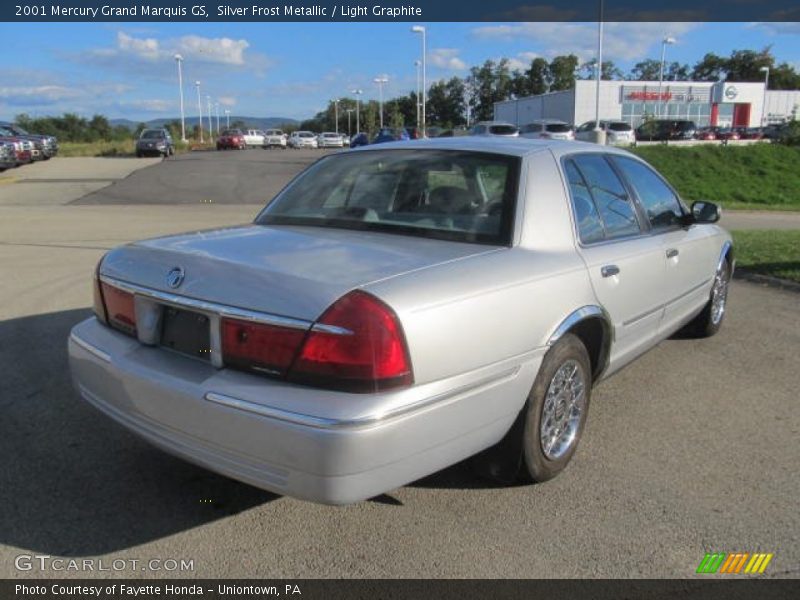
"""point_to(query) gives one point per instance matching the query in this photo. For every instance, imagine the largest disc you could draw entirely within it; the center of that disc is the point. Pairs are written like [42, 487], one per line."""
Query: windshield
[152, 134]
[558, 127]
[444, 194]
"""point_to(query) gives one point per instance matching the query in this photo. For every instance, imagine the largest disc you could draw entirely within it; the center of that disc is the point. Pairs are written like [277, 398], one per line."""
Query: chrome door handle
[609, 270]
[672, 253]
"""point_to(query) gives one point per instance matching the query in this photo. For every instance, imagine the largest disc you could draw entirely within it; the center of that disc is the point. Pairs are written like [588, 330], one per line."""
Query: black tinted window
[590, 228]
[558, 127]
[660, 203]
[610, 197]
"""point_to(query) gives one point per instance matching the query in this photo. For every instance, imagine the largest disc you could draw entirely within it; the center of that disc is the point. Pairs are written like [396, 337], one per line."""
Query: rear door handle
[609, 270]
[672, 253]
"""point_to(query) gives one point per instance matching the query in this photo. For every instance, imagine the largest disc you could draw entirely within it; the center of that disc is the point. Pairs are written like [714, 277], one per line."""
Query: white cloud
[146, 48]
[785, 28]
[446, 58]
[150, 105]
[217, 50]
[227, 101]
[37, 95]
[621, 41]
[522, 61]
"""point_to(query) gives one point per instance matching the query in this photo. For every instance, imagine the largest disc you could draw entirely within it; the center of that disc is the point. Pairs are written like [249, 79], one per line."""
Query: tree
[711, 68]
[610, 70]
[562, 72]
[538, 76]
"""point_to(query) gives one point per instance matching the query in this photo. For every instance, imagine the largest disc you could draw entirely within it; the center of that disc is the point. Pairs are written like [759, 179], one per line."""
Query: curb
[768, 280]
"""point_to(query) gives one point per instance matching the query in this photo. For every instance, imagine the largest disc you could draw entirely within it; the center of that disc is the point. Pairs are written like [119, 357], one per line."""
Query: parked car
[727, 134]
[548, 129]
[399, 308]
[345, 140]
[390, 134]
[8, 156]
[155, 141]
[617, 132]
[231, 139]
[359, 139]
[254, 138]
[706, 134]
[275, 138]
[23, 149]
[666, 130]
[750, 133]
[329, 139]
[33, 145]
[46, 145]
[303, 139]
[495, 128]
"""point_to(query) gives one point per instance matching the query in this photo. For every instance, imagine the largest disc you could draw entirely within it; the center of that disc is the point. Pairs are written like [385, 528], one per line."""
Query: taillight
[259, 346]
[361, 348]
[119, 308]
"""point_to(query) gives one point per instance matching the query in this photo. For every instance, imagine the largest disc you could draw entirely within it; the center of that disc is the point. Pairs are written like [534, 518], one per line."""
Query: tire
[556, 408]
[709, 321]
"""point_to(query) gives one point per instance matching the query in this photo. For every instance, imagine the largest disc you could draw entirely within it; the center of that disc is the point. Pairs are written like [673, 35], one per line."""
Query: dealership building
[722, 103]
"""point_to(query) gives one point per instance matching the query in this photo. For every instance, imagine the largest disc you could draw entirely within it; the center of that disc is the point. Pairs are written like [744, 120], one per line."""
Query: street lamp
[227, 118]
[764, 113]
[358, 104]
[421, 30]
[349, 110]
[336, 113]
[199, 110]
[599, 134]
[210, 124]
[664, 42]
[380, 81]
[418, 64]
[216, 111]
[179, 60]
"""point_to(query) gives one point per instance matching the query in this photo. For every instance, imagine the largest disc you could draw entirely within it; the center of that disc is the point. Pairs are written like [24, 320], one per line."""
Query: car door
[690, 255]
[626, 266]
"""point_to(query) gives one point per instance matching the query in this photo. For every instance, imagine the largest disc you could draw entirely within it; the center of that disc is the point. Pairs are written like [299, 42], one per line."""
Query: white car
[548, 129]
[329, 139]
[617, 132]
[494, 129]
[303, 139]
[274, 138]
[254, 138]
[399, 308]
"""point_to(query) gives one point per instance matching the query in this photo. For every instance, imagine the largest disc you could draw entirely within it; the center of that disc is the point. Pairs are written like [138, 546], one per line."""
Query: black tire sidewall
[538, 467]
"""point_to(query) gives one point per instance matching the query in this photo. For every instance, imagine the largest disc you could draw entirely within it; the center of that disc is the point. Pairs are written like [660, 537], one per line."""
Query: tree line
[460, 101]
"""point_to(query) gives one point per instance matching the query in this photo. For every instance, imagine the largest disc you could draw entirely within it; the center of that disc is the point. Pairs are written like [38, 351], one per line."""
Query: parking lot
[691, 449]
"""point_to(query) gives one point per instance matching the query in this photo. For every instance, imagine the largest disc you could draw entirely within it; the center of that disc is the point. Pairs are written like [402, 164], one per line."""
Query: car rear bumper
[268, 433]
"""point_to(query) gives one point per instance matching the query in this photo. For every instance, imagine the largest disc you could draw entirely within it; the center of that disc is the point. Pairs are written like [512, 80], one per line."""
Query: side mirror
[706, 212]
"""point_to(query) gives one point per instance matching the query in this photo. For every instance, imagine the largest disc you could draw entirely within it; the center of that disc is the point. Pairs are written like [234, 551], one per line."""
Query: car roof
[497, 145]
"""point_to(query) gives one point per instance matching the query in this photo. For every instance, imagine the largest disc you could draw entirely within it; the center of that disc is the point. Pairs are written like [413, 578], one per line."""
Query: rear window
[232, 132]
[503, 129]
[558, 127]
[444, 194]
[619, 127]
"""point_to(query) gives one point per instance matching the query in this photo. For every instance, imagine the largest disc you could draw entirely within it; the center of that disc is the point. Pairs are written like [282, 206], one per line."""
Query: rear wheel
[709, 321]
[556, 411]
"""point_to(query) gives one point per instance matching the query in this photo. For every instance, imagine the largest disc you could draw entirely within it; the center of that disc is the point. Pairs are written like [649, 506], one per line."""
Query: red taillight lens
[259, 346]
[368, 353]
[99, 306]
[120, 310]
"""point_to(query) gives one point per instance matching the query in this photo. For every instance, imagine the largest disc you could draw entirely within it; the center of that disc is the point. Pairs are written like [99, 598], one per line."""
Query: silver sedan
[399, 308]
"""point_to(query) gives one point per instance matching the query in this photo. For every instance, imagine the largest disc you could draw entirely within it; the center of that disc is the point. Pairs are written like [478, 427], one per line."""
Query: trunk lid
[288, 271]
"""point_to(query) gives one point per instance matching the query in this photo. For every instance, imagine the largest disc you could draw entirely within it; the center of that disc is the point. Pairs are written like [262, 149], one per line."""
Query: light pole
[210, 124]
[179, 60]
[664, 42]
[418, 64]
[349, 110]
[227, 119]
[599, 134]
[199, 110]
[336, 113]
[216, 111]
[764, 113]
[358, 105]
[380, 81]
[421, 30]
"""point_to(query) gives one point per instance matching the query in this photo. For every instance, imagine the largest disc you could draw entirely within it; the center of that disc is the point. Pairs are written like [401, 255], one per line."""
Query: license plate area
[186, 332]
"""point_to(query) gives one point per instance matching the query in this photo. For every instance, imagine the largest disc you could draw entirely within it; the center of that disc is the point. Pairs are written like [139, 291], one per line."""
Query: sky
[125, 70]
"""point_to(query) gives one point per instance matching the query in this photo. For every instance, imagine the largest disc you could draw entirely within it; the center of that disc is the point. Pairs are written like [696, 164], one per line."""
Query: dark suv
[155, 141]
[662, 130]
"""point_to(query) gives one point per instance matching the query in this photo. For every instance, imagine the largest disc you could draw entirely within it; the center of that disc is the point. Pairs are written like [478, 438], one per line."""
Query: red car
[23, 149]
[707, 134]
[727, 134]
[231, 139]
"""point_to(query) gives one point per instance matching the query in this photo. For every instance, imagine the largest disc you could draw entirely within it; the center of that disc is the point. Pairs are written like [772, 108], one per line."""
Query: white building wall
[610, 100]
[555, 105]
[782, 105]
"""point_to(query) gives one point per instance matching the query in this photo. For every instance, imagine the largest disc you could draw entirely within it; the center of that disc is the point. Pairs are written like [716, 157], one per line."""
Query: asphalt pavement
[691, 449]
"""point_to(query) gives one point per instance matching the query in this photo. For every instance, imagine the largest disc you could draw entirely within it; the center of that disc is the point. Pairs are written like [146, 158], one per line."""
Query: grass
[108, 148]
[775, 252]
[754, 177]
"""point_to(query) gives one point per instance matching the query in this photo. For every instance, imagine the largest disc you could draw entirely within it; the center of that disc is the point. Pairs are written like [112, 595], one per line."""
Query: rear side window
[503, 129]
[660, 203]
[613, 204]
[619, 127]
[558, 127]
[590, 227]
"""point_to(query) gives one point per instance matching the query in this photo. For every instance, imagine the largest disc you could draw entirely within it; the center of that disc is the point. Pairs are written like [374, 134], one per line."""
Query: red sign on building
[650, 96]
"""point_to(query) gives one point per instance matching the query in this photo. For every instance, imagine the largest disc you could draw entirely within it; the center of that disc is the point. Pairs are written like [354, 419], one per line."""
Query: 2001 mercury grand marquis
[396, 309]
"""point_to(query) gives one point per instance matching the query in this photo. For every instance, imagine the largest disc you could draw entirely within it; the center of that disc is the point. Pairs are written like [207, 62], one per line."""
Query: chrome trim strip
[223, 310]
[362, 422]
[689, 291]
[575, 317]
[104, 356]
[644, 315]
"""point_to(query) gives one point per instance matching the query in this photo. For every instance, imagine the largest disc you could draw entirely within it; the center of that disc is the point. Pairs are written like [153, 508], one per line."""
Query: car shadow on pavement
[73, 482]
